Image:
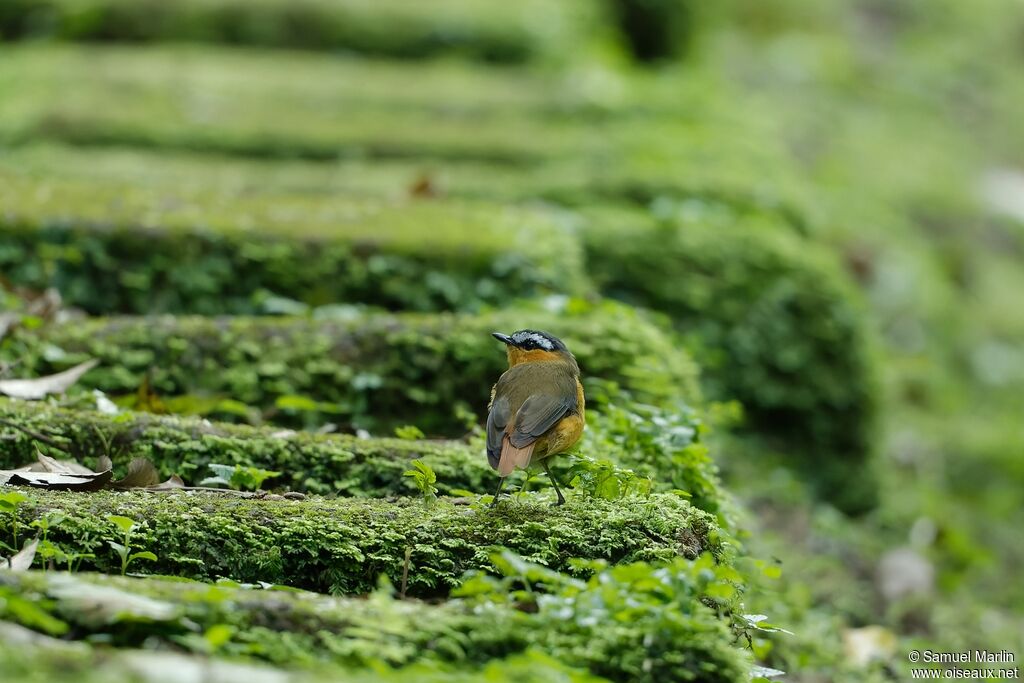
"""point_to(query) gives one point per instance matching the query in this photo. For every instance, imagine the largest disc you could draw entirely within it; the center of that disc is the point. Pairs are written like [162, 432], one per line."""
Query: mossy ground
[777, 153]
[346, 545]
[370, 371]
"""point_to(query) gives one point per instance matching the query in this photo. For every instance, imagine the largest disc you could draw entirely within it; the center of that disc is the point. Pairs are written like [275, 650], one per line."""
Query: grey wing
[538, 414]
[497, 420]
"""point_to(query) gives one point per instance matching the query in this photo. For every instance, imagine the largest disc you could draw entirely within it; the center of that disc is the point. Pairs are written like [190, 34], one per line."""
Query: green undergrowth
[345, 545]
[336, 464]
[717, 171]
[531, 30]
[41, 659]
[773, 320]
[628, 623]
[627, 449]
[662, 132]
[122, 247]
[330, 111]
[375, 371]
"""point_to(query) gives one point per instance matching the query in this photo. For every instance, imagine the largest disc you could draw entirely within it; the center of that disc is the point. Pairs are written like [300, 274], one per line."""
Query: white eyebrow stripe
[539, 339]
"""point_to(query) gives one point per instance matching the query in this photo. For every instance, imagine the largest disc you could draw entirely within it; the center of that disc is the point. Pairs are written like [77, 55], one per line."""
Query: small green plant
[603, 479]
[409, 433]
[424, 478]
[47, 551]
[9, 504]
[127, 526]
[238, 477]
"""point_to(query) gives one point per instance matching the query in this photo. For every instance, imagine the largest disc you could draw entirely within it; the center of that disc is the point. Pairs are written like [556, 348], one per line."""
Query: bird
[537, 407]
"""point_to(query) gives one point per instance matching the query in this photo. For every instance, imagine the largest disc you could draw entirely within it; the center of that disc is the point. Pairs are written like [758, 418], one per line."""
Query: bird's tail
[513, 457]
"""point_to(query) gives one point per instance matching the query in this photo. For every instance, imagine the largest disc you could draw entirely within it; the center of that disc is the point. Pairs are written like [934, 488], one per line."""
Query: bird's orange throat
[518, 356]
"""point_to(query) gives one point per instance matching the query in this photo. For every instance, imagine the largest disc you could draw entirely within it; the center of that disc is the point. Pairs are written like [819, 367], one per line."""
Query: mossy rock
[774, 322]
[189, 190]
[557, 637]
[532, 30]
[345, 545]
[663, 445]
[302, 106]
[336, 464]
[174, 98]
[35, 658]
[375, 371]
[125, 248]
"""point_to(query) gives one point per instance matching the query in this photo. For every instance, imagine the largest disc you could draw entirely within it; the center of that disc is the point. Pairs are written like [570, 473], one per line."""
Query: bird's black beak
[502, 337]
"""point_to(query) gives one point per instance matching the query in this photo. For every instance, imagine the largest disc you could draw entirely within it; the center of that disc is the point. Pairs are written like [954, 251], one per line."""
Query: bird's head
[529, 346]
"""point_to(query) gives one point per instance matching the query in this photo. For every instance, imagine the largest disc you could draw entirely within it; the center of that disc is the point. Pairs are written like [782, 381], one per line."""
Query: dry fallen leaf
[22, 560]
[40, 387]
[174, 482]
[48, 464]
[56, 481]
[141, 474]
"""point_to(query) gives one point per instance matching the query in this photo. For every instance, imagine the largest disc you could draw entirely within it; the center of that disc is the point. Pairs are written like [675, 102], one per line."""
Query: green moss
[301, 106]
[774, 322]
[44, 660]
[372, 371]
[318, 463]
[663, 444]
[309, 107]
[553, 634]
[125, 248]
[493, 32]
[344, 545]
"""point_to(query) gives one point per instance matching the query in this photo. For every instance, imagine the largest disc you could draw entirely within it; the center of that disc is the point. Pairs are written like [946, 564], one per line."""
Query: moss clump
[670, 634]
[41, 659]
[372, 371]
[326, 464]
[122, 247]
[491, 32]
[774, 323]
[345, 545]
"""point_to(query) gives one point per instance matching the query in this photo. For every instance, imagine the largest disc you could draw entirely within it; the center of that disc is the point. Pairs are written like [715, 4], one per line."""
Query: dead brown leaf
[171, 484]
[22, 560]
[47, 464]
[56, 481]
[141, 474]
[40, 387]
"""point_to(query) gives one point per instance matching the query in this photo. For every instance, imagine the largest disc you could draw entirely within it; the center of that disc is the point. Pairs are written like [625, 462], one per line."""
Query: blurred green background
[824, 201]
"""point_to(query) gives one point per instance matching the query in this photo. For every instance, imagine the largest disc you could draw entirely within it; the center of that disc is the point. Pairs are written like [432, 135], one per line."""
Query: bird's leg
[554, 482]
[501, 485]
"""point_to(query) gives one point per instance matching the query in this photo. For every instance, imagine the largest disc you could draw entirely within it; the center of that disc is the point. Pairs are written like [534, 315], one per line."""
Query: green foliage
[126, 526]
[9, 503]
[424, 478]
[597, 625]
[238, 477]
[371, 371]
[603, 479]
[663, 445]
[242, 252]
[774, 322]
[48, 552]
[344, 545]
[318, 463]
[650, 608]
[532, 30]
[409, 433]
